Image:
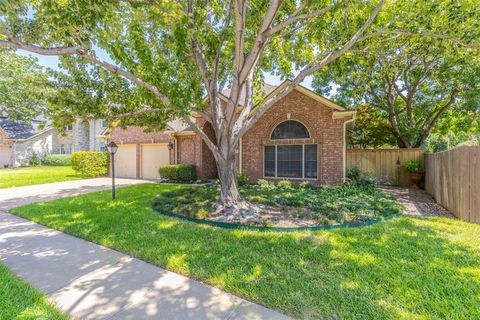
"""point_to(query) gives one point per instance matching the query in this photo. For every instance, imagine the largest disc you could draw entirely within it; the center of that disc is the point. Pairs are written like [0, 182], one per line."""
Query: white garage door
[5, 156]
[153, 155]
[126, 161]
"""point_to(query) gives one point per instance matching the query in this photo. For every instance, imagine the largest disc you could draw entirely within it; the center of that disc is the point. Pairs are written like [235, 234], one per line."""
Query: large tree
[174, 53]
[24, 87]
[415, 82]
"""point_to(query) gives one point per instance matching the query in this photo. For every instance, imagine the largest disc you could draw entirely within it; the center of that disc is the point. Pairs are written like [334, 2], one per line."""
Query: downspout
[345, 146]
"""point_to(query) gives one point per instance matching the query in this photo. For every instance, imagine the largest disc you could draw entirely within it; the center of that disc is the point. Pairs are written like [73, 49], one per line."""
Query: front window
[68, 127]
[291, 161]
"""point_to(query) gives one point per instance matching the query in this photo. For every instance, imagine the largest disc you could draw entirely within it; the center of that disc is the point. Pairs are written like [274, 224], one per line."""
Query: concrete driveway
[89, 281]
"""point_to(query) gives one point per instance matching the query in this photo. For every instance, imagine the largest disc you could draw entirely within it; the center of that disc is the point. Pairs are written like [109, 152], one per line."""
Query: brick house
[301, 137]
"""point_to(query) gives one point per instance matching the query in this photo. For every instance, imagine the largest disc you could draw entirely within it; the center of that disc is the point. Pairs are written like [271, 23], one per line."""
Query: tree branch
[313, 67]
[15, 43]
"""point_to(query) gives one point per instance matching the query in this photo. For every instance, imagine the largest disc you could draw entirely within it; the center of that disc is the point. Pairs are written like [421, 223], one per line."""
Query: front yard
[25, 176]
[400, 269]
[18, 300]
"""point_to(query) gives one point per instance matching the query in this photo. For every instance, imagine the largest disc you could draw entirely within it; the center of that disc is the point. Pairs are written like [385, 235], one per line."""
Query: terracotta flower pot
[416, 178]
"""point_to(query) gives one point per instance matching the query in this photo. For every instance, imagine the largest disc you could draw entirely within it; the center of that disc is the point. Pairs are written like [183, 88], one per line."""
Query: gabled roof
[18, 130]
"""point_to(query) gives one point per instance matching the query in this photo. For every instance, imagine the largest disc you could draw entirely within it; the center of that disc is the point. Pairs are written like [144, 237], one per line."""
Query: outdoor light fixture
[112, 148]
[170, 145]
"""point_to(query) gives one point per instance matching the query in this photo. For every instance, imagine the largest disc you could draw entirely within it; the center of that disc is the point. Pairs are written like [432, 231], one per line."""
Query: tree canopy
[415, 82]
[24, 87]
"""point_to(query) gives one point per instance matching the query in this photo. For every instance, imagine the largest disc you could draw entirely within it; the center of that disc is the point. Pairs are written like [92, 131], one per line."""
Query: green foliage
[57, 160]
[413, 166]
[370, 129]
[242, 179]
[24, 87]
[90, 163]
[418, 268]
[35, 160]
[361, 178]
[412, 83]
[178, 172]
[360, 202]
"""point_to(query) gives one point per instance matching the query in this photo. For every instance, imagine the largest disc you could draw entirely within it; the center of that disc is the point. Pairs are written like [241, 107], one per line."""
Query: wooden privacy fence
[453, 179]
[386, 164]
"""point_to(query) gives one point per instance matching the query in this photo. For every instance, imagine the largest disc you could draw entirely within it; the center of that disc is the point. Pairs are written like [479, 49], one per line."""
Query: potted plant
[415, 169]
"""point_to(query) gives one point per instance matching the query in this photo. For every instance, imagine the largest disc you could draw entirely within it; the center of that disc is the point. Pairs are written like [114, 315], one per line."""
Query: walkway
[89, 281]
[417, 202]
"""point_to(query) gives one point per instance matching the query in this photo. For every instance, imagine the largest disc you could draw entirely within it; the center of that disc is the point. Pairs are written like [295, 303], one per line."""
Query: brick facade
[325, 131]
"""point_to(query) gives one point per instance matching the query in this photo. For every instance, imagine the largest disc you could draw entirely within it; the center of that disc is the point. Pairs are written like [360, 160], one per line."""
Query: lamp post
[112, 148]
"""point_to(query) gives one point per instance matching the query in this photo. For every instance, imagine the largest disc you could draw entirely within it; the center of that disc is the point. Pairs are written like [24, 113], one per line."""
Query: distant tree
[24, 87]
[370, 130]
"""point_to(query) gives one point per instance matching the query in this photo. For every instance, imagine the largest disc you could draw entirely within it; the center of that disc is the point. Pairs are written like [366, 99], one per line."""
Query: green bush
[242, 179]
[90, 163]
[57, 160]
[413, 166]
[178, 172]
[358, 177]
[35, 160]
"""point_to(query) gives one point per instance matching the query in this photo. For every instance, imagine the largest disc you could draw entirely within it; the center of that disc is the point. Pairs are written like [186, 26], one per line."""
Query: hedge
[57, 160]
[178, 172]
[90, 163]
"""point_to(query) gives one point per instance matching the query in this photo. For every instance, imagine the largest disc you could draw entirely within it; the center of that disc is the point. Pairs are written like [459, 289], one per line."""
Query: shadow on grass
[404, 268]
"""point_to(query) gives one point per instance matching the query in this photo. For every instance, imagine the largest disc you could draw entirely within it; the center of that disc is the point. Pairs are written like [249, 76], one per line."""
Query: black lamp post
[112, 148]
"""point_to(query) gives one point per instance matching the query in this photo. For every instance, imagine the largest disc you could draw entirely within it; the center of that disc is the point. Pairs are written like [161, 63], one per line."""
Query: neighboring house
[19, 141]
[300, 138]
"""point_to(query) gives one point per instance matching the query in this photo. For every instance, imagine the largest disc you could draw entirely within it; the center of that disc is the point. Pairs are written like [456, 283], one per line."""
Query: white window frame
[303, 161]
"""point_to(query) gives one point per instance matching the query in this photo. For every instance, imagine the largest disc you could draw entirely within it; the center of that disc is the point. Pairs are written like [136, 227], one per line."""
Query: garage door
[5, 156]
[126, 161]
[153, 155]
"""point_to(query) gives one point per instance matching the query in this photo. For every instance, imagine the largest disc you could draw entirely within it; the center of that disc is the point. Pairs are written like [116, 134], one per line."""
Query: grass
[405, 268]
[25, 176]
[326, 205]
[18, 300]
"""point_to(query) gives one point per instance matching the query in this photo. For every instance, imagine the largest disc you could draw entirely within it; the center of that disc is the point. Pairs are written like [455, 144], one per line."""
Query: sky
[52, 62]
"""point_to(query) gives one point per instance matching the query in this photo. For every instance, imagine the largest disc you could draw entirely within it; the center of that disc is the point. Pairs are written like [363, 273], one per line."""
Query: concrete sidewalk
[89, 281]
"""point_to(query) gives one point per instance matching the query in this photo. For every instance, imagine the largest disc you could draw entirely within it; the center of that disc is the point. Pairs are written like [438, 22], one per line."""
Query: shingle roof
[17, 130]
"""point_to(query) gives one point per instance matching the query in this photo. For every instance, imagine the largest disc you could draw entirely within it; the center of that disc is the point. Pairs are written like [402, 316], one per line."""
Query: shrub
[178, 172]
[413, 166]
[358, 177]
[285, 184]
[35, 160]
[57, 160]
[242, 179]
[264, 184]
[306, 185]
[90, 163]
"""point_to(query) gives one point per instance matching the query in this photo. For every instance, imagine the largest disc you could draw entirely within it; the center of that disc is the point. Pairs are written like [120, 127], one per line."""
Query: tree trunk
[231, 206]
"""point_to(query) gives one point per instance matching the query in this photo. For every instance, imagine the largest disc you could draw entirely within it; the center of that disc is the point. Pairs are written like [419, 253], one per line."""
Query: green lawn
[18, 300]
[25, 176]
[405, 268]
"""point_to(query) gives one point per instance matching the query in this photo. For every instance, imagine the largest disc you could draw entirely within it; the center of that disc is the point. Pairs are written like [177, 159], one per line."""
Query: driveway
[17, 196]
[89, 281]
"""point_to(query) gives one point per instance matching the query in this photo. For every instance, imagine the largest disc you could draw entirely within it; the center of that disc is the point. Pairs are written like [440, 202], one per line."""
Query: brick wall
[324, 131]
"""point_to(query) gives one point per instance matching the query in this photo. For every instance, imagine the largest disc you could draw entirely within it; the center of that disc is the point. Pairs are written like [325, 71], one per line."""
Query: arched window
[290, 129]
